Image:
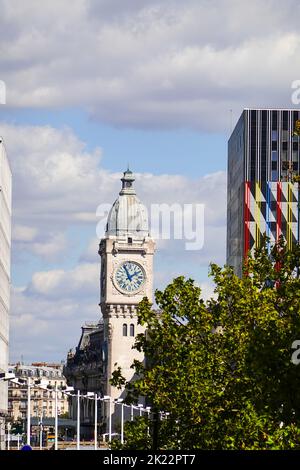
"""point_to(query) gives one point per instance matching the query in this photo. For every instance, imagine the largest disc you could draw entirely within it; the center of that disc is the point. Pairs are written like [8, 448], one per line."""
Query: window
[124, 329]
[130, 240]
[274, 175]
[132, 329]
[274, 165]
[285, 136]
[274, 156]
[274, 135]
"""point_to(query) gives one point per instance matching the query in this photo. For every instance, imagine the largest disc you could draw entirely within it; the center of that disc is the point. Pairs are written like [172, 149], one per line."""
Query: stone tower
[126, 277]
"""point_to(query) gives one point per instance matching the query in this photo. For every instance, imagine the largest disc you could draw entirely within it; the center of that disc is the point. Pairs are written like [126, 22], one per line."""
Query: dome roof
[128, 216]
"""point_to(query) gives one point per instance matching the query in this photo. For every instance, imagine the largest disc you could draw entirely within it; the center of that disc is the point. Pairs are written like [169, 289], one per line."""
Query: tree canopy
[222, 368]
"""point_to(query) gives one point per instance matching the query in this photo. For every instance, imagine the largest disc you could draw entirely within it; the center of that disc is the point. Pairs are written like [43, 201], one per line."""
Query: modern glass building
[5, 244]
[262, 197]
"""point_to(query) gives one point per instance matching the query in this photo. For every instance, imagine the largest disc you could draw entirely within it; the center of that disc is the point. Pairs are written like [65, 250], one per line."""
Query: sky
[99, 85]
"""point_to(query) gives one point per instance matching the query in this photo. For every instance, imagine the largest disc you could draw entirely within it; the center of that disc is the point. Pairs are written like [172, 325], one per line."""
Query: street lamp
[108, 398]
[140, 407]
[131, 412]
[55, 420]
[78, 420]
[18, 441]
[7, 376]
[28, 411]
[93, 396]
[20, 381]
[64, 389]
[96, 419]
[41, 431]
[148, 409]
[120, 401]
[8, 436]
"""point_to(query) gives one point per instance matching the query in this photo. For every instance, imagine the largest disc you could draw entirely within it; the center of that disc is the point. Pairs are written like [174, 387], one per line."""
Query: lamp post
[120, 402]
[131, 412]
[122, 423]
[56, 419]
[78, 420]
[107, 398]
[28, 411]
[96, 419]
[41, 431]
[8, 436]
[148, 409]
[140, 407]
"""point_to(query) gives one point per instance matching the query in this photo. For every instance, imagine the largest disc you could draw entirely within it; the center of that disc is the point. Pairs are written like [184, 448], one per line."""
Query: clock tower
[126, 277]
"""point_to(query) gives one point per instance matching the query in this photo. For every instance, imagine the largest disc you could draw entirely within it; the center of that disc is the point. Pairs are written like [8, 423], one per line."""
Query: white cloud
[43, 329]
[82, 281]
[51, 246]
[50, 207]
[58, 186]
[23, 234]
[157, 64]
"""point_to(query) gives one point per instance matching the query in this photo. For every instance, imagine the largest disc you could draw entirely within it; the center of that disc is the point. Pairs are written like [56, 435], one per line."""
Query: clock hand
[128, 275]
[134, 274]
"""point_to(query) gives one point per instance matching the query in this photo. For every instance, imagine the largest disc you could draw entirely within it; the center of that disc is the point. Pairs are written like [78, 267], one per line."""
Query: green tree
[222, 368]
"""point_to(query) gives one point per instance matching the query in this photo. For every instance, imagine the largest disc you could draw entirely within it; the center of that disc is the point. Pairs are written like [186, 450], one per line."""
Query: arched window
[132, 329]
[124, 329]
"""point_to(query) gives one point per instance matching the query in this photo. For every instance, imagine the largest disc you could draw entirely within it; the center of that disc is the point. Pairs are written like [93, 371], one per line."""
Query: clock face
[129, 276]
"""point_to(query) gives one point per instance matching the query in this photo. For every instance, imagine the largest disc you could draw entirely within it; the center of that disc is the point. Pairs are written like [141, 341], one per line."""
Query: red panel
[278, 211]
[247, 219]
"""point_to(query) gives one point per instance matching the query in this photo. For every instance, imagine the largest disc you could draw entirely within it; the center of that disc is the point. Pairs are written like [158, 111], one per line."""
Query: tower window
[132, 329]
[130, 240]
[124, 329]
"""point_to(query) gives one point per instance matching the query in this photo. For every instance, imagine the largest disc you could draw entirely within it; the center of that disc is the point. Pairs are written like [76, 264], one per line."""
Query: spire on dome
[128, 216]
[127, 182]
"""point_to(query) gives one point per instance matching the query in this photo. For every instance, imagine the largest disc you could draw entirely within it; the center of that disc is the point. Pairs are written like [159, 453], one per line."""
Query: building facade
[42, 401]
[5, 248]
[126, 253]
[84, 370]
[126, 277]
[262, 197]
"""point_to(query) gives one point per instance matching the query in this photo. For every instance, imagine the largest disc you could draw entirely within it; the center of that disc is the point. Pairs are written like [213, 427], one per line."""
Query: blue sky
[107, 83]
[179, 151]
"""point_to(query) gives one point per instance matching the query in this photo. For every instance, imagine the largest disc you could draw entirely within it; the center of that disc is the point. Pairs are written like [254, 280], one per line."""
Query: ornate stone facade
[126, 277]
[42, 401]
[84, 371]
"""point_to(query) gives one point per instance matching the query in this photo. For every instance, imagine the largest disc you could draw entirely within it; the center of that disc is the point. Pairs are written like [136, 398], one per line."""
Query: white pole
[41, 432]
[122, 423]
[56, 419]
[131, 413]
[109, 422]
[96, 419]
[8, 438]
[148, 413]
[28, 411]
[18, 441]
[78, 420]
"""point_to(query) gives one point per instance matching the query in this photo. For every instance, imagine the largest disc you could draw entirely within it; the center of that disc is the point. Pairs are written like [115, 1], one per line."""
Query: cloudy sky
[95, 85]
